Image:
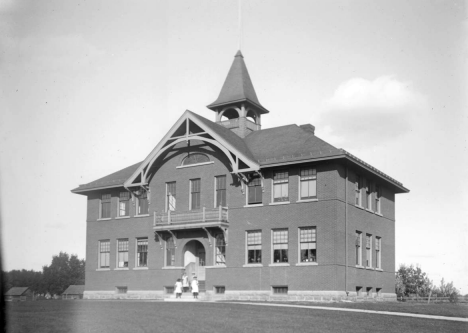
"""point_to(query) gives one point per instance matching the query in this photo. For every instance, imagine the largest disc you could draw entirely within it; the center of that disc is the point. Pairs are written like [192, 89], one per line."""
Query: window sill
[140, 268]
[102, 269]
[280, 203]
[279, 264]
[143, 215]
[173, 267]
[193, 165]
[369, 210]
[307, 200]
[370, 268]
[121, 269]
[359, 266]
[358, 206]
[379, 269]
[104, 219]
[376, 213]
[306, 264]
[217, 266]
[122, 217]
[253, 205]
[252, 265]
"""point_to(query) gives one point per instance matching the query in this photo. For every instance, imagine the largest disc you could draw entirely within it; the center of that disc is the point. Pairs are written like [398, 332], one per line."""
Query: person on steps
[185, 282]
[195, 287]
[178, 289]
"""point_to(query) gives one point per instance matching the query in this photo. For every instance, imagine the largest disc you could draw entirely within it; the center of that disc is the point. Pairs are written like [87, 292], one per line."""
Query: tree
[447, 290]
[412, 280]
[62, 272]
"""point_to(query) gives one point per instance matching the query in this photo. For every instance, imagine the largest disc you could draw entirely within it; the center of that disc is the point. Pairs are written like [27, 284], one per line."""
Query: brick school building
[253, 213]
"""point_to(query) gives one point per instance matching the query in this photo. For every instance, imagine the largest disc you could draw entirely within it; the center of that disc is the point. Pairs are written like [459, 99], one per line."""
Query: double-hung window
[254, 247]
[170, 252]
[171, 196]
[280, 245]
[308, 244]
[368, 250]
[255, 191]
[378, 253]
[358, 248]
[195, 194]
[308, 186]
[368, 194]
[122, 253]
[143, 203]
[105, 206]
[357, 190]
[124, 204]
[104, 253]
[142, 252]
[220, 191]
[220, 250]
[378, 194]
[280, 186]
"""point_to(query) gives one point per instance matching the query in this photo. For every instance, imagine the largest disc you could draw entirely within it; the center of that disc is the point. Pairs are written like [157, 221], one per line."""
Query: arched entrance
[194, 258]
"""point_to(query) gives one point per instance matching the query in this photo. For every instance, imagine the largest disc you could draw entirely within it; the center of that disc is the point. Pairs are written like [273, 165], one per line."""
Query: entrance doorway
[195, 259]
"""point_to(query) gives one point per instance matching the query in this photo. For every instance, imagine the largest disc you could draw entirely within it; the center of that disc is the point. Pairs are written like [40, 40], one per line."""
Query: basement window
[169, 289]
[219, 289]
[121, 290]
[280, 290]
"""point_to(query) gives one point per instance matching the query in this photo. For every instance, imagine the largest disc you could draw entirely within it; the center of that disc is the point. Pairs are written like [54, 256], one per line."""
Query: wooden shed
[73, 292]
[19, 294]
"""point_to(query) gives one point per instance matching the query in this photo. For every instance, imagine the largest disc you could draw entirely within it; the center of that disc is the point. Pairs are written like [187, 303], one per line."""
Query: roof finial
[239, 17]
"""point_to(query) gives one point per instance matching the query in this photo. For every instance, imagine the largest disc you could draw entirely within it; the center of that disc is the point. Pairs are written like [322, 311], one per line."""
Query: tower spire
[239, 19]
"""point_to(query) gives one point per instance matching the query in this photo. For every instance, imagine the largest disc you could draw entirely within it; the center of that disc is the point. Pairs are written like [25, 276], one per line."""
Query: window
[358, 248]
[369, 291]
[280, 290]
[142, 252]
[170, 252]
[122, 253]
[171, 196]
[280, 186]
[104, 253]
[255, 191]
[308, 186]
[308, 244]
[357, 190]
[220, 250]
[368, 194]
[196, 158]
[195, 194]
[124, 204]
[122, 290]
[358, 291]
[280, 246]
[378, 291]
[254, 247]
[105, 206]
[220, 191]
[368, 250]
[378, 194]
[378, 258]
[143, 203]
[220, 289]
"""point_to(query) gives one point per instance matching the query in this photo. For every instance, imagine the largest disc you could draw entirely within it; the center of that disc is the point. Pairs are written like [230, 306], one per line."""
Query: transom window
[254, 247]
[308, 244]
[171, 196]
[122, 254]
[308, 183]
[142, 252]
[255, 191]
[281, 186]
[195, 194]
[104, 253]
[220, 191]
[105, 206]
[220, 250]
[124, 205]
[280, 245]
[195, 158]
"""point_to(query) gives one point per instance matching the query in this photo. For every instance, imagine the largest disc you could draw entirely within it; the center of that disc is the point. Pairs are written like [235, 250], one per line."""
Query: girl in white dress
[185, 282]
[195, 287]
[178, 289]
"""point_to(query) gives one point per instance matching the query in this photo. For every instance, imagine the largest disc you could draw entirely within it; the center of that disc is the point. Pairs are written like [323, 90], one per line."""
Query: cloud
[369, 112]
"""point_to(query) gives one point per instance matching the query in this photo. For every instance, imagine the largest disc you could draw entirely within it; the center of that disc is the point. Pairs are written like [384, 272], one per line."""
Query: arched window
[195, 158]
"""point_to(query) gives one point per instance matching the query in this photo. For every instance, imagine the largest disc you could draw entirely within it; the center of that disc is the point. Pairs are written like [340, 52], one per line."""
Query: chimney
[308, 128]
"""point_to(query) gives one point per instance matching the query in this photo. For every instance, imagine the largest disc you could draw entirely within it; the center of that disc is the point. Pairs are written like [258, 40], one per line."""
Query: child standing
[185, 282]
[195, 287]
[178, 289]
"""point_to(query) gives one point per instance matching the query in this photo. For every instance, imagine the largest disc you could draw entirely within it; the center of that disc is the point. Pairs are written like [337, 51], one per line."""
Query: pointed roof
[237, 87]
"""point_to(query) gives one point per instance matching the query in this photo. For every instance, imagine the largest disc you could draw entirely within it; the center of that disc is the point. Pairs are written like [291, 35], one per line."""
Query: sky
[90, 87]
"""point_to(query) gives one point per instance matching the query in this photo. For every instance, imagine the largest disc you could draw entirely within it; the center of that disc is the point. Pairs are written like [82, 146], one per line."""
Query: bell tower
[237, 106]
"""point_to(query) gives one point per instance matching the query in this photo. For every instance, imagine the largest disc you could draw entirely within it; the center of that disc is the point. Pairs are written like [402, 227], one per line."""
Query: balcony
[231, 123]
[191, 220]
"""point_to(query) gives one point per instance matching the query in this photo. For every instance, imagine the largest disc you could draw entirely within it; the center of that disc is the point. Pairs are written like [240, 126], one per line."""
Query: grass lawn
[137, 316]
[442, 309]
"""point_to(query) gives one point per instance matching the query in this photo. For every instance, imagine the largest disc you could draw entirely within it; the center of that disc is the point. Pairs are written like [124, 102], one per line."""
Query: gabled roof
[16, 291]
[237, 87]
[115, 179]
[74, 289]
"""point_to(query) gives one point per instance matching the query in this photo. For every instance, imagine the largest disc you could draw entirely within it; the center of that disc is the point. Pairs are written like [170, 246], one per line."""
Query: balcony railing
[251, 125]
[231, 123]
[205, 215]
